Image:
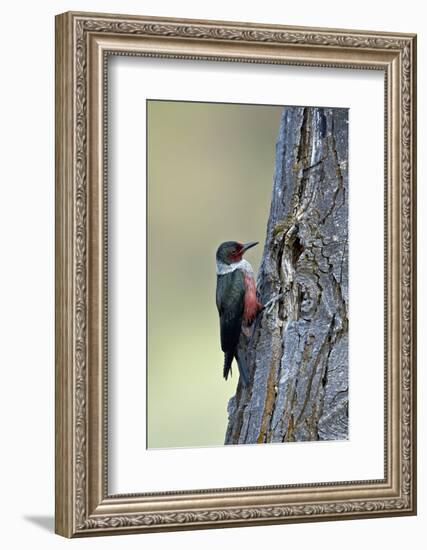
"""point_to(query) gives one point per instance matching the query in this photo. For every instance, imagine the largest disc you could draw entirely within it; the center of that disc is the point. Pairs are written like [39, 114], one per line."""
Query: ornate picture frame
[84, 506]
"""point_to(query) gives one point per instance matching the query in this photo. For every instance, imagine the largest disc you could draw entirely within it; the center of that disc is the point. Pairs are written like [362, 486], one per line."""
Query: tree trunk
[298, 353]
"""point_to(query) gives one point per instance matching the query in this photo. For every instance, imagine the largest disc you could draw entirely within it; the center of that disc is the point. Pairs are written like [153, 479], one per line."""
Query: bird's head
[232, 251]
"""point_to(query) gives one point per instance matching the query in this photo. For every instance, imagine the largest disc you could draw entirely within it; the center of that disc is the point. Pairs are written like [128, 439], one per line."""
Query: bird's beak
[247, 246]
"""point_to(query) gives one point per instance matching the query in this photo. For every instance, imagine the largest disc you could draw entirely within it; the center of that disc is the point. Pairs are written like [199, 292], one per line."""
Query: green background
[210, 176]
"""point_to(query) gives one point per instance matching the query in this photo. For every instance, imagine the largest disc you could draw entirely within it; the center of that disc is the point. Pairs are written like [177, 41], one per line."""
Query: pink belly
[251, 306]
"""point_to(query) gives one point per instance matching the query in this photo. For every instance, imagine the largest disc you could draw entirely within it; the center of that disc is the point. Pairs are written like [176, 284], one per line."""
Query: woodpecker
[236, 301]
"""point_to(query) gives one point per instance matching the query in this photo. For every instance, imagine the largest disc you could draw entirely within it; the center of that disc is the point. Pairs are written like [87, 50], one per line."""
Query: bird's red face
[236, 250]
[231, 252]
[235, 254]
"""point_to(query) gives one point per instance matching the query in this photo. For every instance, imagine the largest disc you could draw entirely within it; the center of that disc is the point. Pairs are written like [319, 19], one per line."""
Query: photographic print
[247, 279]
[211, 314]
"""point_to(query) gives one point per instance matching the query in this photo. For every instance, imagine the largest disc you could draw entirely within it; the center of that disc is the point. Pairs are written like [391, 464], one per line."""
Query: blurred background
[210, 175]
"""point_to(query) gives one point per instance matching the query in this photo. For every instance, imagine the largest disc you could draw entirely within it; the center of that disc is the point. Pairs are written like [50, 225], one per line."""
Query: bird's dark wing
[230, 294]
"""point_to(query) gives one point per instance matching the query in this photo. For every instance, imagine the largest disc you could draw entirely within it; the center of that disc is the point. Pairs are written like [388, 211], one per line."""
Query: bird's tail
[228, 359]
[241, 363]
[243, 371]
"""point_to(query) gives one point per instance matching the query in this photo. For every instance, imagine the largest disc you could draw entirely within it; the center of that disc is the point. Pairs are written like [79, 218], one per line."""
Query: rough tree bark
[298, 354]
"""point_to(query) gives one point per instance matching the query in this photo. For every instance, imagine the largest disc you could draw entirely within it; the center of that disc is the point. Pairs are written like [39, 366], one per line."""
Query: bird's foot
[268, 306]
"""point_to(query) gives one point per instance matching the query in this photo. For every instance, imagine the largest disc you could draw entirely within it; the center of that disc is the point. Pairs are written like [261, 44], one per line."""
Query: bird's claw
[268, 307]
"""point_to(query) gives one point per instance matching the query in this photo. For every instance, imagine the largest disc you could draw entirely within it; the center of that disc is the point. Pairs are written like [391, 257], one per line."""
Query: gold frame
[83, 42]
